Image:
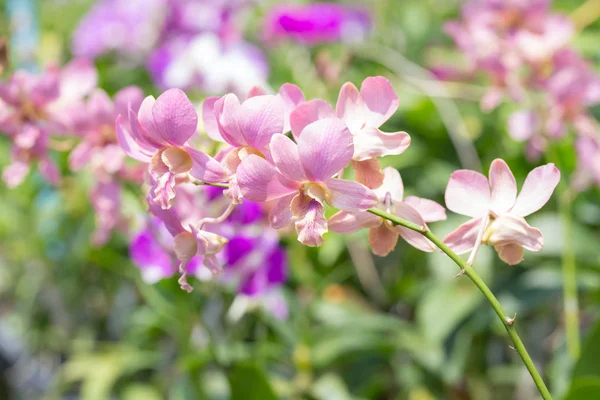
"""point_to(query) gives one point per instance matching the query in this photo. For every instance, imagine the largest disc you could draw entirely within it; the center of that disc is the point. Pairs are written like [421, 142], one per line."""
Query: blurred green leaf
[249, 382]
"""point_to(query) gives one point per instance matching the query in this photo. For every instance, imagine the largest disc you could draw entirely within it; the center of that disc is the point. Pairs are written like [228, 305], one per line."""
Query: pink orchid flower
[301, 179]
[383, 235]
[363, 112]
[496, 211]
[158, 135]
[189, 243]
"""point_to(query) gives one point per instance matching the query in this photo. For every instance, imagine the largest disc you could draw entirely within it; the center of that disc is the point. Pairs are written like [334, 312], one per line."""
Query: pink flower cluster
[295, 156]
[523, 48]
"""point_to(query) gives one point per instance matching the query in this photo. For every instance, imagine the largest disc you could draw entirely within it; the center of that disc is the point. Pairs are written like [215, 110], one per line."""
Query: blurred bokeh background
[83, 320]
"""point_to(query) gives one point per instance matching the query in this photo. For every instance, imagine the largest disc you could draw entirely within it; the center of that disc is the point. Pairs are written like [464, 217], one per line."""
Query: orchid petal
[308, 112]
[206, 168]
[392, 184]
[462, 239]
[131, 145]
[368, 172]
[351, 108]
[291, 96]
[259, 180]
[503, 185]
[511, 254]
[174, 117]
[280, 214]
[537, 189]
[413, 238]
[371, 142]
[260, 118]
[383, 240]
[468, 193]
[325, 147]
[349, 195]
[311, 223]
[380, 98]
[211, 127]
[286, 158]
[349, 222]
[430, 210]
[509, 229]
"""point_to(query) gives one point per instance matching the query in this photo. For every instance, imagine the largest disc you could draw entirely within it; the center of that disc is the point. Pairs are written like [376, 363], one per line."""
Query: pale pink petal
[511, 254]
[164, 190]
[349, 222]
[169, 217]
[503, 185]
[206, 168]
[492, 99]
[536, 190]
[131, 145]
[308, 112]
[413, 238]
[383, 240]
[349, 195]
[260, 118]
[211, 127]
[78, 78]
[175, 117]
[146, 123]
[259, 180]
[100, 107]
[351, 108]
[80, 156]
[129, 97]
[430, 210]
[509, 229]
[311, 223]
[368, 172]
[392, 184]
[325, 147]
[292, 96]
[371, 142]
[14, 174]
[462, 240]
[280, 214]
[380, 98]
[226, 111]
[522, 124]
[286, 158]
[111, 158]
[468, 193]
[256, 91]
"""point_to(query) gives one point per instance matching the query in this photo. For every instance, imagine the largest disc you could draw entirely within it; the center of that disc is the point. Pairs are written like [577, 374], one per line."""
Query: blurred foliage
[79, 322]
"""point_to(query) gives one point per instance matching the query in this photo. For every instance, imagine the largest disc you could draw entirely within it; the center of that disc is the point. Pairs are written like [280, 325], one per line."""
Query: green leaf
[249, 382]
[584, 389]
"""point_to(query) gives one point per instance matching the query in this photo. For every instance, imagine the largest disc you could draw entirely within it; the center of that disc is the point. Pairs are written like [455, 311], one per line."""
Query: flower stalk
[508, 322]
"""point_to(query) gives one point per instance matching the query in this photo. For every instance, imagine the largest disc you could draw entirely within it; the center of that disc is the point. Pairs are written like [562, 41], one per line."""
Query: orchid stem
[569, 271]
[509, 323]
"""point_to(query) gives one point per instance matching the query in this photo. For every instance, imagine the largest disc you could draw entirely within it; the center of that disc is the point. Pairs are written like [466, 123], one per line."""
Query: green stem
[569, 271]
[509, 323]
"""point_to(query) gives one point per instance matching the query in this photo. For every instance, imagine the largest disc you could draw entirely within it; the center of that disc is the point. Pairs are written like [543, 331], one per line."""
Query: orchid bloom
[383, 235]
[301, 179]
[189, 243]
[248, 126]
[158, 135]
[363, 112]
[496, 211]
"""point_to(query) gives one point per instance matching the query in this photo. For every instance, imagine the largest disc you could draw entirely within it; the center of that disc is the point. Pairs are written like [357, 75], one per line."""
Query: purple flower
[317, 23]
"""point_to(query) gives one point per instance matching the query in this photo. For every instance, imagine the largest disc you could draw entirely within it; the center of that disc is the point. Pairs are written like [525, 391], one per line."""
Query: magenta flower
[383, 235]
[301, 179]
[363, 112]
[497, 213]
[316, 23]
[158, 135]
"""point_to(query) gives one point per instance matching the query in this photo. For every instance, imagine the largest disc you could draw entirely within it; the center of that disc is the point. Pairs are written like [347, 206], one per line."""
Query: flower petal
[349, 195]
[503, 185]
[325, 147]
[537, 189]
[371, 142]
[462, 240]
[209, 118]
[368, 172]
[383, 240]
[521, 125]
[206, 168]
[509, 229]
[226, 111]
[280, 214]
[308, 112]
[77, 79]
[510, 253]
[286, 158]
[259, 180]
[413, 238]
[468, 193]
[291, 96]
[131, 145]
[430, 210]
[380, 98]
[349, 222]
[311, 223]
[351, 108]
[175, 117]
[259, 118]
[392, 184]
